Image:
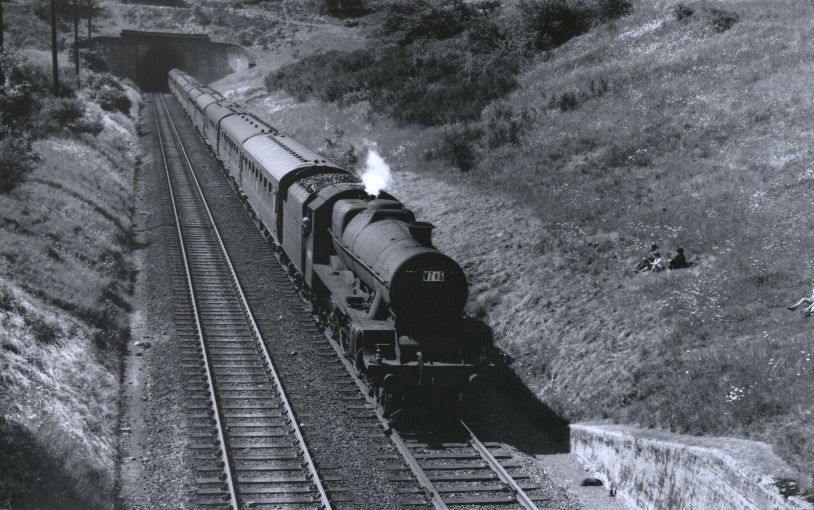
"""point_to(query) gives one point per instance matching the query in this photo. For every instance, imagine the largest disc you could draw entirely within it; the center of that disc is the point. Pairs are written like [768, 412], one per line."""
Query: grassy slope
[63, 264]
[702, 139]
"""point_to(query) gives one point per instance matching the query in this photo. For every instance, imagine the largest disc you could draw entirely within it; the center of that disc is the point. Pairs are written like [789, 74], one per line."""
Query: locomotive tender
[394, 302]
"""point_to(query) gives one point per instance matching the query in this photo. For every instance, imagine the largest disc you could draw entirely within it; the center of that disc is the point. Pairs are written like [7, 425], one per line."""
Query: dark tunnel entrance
[152, 68]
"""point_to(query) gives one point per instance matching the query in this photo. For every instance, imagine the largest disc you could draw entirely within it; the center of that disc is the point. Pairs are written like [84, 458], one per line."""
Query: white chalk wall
[659, 470]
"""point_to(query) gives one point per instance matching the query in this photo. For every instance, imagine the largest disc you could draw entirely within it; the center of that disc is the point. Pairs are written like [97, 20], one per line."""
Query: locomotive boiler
[391, 299]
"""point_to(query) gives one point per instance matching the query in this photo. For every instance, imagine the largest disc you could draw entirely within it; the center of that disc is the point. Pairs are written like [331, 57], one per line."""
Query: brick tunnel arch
[152, 68]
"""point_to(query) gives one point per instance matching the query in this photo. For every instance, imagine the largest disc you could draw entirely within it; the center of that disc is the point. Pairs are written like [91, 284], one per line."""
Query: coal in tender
[315, 183]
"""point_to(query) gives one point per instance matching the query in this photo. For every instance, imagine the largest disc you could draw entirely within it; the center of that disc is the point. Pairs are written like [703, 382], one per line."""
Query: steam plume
[376, 176]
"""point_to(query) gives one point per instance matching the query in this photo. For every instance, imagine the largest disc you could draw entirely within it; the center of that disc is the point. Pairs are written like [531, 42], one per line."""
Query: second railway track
[249, 450]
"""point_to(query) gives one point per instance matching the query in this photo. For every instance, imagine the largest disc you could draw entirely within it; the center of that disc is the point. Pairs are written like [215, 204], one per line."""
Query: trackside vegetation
[679, 123]
[66, 169]
[437, 63]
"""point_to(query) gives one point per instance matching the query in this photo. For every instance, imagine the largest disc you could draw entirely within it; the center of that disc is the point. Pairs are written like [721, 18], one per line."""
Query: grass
[63, 313]
[682, 124]
[684, 146]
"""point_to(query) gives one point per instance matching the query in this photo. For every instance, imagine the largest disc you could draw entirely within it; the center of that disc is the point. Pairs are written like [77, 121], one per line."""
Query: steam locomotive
[393, 301]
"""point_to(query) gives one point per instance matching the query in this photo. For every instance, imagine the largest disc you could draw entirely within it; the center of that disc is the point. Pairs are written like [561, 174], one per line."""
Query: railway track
[249, 449]
[453, 467]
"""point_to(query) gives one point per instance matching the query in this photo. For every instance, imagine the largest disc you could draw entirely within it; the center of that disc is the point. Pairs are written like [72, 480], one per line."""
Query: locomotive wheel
[388, 401]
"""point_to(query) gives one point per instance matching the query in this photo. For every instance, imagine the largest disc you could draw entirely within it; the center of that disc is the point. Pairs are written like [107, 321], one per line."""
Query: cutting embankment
[677, 124]
[65, 213]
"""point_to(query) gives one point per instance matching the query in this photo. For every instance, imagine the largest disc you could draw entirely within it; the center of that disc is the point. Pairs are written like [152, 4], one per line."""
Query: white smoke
[377, 175]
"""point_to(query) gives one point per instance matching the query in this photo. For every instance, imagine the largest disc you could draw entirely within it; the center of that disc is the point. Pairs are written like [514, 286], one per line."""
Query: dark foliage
[430, 90]
[554, 22]
[440, 62]
[109, 93]
[682, 11]
[16, 160]
[18, 94]
[426, 19]
[58, 114]
[95, 61]
[722, 20]
[346, 8]
[458, 145]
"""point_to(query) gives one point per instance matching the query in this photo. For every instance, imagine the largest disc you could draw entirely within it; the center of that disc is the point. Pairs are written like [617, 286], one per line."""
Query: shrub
[432, 90]
[722, 20]
[346, 8]
[339, 149]
[427, 19]
[16, 160]
[504, 126]
[113, 100]
[18, 95]
[612, 9]
[554, 22]
[566, 101]
[682, 11]
[458, 145]
[95, 61]
[59, 114]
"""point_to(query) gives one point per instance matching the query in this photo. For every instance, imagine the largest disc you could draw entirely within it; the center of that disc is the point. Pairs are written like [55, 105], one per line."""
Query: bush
[95, 61]
[113, 98]
[722, 20]
[65, 114]
[427, 19]
[682, 11]
[16, 160]
[18, 95]
[554, 22]
[346, 8]
[434, 89]
[458, 145]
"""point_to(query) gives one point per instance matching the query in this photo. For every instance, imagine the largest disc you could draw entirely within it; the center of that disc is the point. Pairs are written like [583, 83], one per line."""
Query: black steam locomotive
[394, 302]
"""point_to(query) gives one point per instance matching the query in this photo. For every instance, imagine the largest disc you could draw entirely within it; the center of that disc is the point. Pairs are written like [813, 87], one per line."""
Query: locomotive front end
[406, 307]
[393, 255]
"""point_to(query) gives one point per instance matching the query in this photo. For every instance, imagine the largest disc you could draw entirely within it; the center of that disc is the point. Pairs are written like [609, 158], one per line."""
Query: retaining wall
[659, 470]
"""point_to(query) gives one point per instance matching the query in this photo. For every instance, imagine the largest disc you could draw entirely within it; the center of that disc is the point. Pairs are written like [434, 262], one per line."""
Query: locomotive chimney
[422, 231]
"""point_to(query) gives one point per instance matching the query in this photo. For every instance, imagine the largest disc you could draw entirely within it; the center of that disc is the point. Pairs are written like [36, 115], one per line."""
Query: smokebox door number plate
[433, 276]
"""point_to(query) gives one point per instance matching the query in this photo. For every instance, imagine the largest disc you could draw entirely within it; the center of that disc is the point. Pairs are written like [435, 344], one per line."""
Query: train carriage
[204, 100]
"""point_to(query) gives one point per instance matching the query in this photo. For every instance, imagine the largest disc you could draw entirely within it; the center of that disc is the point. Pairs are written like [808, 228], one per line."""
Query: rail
[309, 463]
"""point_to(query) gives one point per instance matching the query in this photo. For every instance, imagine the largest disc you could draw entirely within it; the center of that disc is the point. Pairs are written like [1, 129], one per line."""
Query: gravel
[154, 461]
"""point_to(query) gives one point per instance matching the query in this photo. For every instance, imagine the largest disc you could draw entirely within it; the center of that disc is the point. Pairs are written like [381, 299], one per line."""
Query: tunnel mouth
[152, 69]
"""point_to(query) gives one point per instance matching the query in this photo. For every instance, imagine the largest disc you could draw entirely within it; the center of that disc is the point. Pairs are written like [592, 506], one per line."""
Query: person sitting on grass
[807, 301]
[646, 263]
[658, 264]
[679, 261]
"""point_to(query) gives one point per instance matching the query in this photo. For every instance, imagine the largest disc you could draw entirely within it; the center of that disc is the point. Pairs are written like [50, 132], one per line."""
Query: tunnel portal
[146, 57]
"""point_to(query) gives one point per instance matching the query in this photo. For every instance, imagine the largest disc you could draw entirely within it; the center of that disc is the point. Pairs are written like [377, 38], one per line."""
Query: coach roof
[281, 155]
